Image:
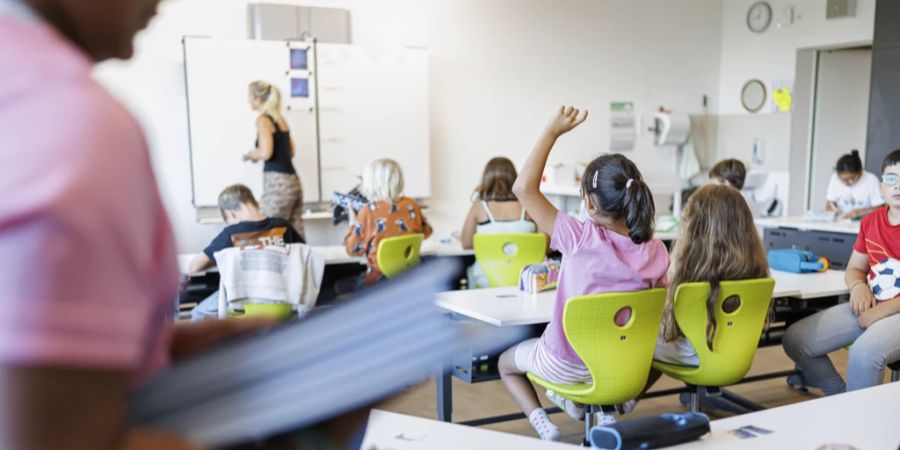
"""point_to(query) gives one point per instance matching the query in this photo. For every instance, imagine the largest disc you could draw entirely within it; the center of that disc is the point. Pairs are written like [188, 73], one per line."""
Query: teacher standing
[282, 193]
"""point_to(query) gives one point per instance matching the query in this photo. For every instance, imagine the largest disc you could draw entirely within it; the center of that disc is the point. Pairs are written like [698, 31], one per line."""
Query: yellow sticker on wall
[783, 99]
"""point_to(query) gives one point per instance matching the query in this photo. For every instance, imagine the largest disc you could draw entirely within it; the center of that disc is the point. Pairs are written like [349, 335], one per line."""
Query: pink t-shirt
[597, 260]
[89, 271]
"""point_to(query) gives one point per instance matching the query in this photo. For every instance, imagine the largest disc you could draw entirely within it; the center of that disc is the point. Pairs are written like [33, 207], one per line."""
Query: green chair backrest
[502, 256]
[279, 311]
[737, 333]
[398, 254]
[618, 358]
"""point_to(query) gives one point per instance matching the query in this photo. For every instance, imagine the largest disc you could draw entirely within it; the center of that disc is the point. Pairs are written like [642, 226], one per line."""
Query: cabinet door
[887, 33]
[884, 107]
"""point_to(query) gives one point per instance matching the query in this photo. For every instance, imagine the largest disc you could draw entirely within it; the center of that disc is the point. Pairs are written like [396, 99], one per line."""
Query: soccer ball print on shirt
[884, 279]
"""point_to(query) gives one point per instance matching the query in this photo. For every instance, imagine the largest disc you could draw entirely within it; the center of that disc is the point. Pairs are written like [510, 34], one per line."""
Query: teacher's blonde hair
[269, 97]
[382, 179]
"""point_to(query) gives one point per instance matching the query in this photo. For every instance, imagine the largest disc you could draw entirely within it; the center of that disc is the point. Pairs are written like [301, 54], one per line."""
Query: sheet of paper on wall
[621, 127]
[782, 95]
[349, 356]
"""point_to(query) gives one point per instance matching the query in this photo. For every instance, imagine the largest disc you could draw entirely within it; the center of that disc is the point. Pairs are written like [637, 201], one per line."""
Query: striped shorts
[532, 356]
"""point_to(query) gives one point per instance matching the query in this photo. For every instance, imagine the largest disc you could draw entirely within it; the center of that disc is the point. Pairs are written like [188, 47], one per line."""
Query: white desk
[506, 306]
[866, 419]
[336, 254]
[840, 226]
[388, 430]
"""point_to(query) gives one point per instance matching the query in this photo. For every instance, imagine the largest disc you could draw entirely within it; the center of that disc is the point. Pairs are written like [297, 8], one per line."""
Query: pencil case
[538, 277]
[650, 432]
[796, 261]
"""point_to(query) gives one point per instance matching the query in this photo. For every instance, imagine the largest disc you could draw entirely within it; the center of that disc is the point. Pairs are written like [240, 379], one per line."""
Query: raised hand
[565, 120]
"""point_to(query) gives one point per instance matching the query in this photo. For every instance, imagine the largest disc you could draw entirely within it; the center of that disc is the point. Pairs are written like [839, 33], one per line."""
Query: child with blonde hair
[388, 214]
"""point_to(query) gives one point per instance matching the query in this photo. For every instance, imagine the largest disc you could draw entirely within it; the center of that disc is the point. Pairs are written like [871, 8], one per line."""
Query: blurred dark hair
[892, 159]
[850, 162]
[730, 170]
[606, 180]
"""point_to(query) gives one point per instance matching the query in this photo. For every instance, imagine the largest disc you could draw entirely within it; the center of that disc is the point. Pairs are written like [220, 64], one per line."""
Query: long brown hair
[497, 181]
[717, 242]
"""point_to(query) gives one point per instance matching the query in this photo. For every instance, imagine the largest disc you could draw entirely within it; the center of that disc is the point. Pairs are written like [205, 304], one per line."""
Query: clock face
[759, 17]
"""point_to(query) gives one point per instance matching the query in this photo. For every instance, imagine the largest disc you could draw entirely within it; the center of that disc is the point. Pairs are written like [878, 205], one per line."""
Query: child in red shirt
[870, 321]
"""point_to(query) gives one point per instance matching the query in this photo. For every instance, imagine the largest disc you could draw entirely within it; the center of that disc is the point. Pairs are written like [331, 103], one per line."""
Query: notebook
[347, 357]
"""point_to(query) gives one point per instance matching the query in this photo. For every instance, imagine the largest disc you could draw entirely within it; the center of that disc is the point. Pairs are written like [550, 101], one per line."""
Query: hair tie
[628, 183]
[594, 182]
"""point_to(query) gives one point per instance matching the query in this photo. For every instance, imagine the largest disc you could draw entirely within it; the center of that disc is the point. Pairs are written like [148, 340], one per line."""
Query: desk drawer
[475, 366]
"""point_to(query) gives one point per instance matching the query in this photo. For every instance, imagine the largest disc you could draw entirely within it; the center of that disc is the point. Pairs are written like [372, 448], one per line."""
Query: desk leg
[444, 393]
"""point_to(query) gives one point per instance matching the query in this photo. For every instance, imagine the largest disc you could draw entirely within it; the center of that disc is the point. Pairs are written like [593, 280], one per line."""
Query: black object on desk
[650, 432]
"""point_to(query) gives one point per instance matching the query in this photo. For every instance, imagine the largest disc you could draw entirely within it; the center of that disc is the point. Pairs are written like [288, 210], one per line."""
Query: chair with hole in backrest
[398, 254]
[502, 256]
[734, 343]
[618, 357]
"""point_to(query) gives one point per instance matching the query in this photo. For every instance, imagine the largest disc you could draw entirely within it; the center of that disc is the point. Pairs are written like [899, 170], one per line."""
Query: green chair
[502, 256]
[734, 344]
[398, 254]
[279, 311]
[618, 357]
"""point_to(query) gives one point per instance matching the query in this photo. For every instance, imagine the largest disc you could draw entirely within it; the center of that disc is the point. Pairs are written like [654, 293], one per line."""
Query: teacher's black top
[280, 161]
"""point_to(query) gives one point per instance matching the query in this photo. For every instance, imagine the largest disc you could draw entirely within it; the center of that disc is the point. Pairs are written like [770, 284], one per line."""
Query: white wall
[842, 110]
[771, 57]
[498, 69]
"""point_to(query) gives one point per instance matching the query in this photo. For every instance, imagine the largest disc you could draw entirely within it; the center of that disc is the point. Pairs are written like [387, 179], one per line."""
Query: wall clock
[759, 16]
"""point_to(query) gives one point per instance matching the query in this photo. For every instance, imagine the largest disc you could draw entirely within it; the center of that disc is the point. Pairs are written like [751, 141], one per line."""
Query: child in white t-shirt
[852, 192]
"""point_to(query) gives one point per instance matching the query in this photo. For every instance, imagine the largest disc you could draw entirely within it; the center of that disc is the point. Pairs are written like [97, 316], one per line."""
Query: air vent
[840, 8]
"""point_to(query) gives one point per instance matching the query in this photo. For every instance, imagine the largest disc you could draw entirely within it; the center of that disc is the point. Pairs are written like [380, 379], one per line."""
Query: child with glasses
[870, 321]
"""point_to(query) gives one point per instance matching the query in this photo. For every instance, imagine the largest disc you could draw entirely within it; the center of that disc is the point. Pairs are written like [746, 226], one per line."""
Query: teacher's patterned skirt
[283, 198]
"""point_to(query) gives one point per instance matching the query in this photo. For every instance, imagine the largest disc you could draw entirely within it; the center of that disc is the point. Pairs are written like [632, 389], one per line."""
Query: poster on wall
[622, 130]
[782, 96]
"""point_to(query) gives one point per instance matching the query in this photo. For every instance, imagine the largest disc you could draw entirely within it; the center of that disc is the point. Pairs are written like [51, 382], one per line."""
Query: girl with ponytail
[612, 250]
[282, 192]
[853, 192]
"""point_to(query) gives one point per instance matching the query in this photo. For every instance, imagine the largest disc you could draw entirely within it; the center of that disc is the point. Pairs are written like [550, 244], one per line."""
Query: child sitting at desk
[870, 321]
[852, 192]
[613, 250]
[496, 211]
[717, 241]
[246, 227]
[388, 214]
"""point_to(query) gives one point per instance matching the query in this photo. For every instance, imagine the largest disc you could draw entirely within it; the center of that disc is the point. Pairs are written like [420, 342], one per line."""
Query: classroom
[443, 224]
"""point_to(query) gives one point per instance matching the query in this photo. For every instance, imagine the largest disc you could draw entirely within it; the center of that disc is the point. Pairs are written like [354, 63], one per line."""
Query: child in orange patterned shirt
[388, 214]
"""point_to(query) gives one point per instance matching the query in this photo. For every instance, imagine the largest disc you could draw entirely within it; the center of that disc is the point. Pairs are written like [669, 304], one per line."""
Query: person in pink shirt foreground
[89, 272]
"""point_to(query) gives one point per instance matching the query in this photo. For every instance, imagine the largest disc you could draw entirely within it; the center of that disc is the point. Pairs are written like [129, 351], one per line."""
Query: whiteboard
[373, 103]
[222, 125]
